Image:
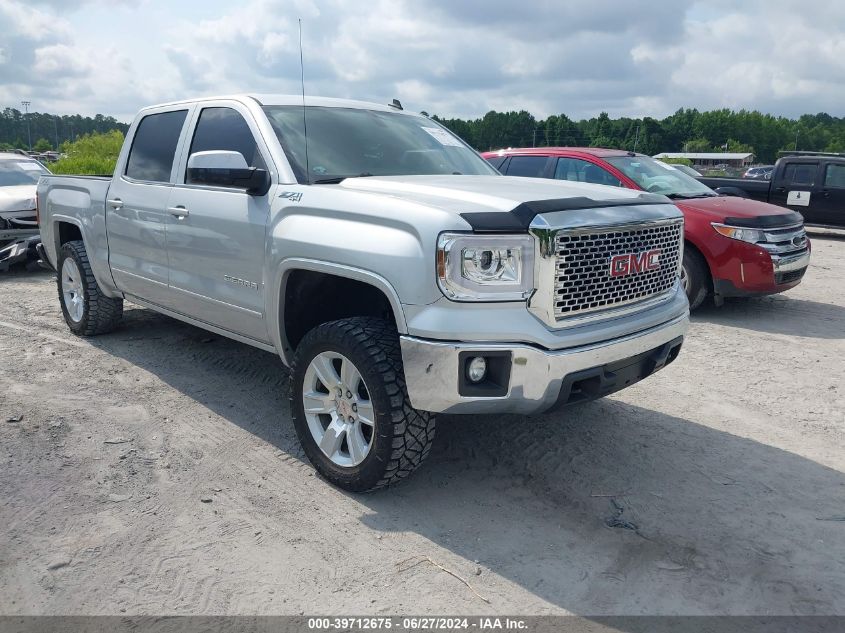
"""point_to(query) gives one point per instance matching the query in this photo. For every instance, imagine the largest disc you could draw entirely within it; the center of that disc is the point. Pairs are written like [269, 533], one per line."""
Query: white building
[710, 159]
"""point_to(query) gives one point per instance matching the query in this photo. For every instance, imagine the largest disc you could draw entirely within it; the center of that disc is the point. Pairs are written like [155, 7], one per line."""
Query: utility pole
[534, 143]
[71, 132]
[56, 129]
[26, 105]
[796, 138]
[636, 137]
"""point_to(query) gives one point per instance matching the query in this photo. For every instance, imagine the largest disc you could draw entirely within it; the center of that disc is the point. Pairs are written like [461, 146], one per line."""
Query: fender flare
[276, 299]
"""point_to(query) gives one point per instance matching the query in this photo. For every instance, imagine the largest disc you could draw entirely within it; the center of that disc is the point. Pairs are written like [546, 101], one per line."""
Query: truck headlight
[485, 267]
[751, 236]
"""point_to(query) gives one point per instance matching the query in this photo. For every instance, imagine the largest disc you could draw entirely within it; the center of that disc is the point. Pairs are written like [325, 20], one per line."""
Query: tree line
[50, 131]
[686, 130]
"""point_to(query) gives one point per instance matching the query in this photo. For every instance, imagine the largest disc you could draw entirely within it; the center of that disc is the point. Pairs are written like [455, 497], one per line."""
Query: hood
[485, 194]
[725, 207]
[18, 198]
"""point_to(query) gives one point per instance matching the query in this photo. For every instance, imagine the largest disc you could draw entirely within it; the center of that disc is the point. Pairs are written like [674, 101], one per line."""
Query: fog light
[476, 369]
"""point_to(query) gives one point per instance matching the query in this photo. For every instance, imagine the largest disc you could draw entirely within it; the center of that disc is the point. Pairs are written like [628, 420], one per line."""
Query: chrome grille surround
[583, 282]
[599, 219]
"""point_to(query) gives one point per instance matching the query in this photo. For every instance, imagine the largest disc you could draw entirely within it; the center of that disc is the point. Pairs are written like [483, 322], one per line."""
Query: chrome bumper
[433, 373]
[788, 263]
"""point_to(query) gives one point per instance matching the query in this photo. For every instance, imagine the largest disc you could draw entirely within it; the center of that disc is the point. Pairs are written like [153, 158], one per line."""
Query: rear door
[797, 187]
[136, 203]
[216, 236]
[830, 205]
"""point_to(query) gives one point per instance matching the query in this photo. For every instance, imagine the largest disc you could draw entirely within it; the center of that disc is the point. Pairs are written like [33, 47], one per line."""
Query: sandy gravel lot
[155, 471]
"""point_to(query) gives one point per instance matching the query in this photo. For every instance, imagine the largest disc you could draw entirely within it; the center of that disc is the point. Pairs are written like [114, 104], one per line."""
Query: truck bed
[756, 189]
[79, 201]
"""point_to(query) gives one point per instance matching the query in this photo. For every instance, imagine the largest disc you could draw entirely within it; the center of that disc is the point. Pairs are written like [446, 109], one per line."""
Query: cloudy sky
[450, 57]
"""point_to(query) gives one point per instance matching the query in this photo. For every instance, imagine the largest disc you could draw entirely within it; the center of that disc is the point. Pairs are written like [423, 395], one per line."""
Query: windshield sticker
[29, 166]
[443, 137]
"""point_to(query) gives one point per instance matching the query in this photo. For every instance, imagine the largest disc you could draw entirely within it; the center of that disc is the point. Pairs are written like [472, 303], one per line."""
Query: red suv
[733, 246]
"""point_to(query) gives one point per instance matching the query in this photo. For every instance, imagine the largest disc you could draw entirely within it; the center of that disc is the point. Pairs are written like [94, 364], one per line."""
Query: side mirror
[227, 169]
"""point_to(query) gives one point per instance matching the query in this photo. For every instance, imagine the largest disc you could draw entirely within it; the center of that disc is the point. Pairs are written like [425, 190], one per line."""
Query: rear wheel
[695, 278]
[350, 407]
[86, 309]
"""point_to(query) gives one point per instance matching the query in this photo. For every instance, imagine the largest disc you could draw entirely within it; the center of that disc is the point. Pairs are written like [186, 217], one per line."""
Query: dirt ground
[155, 471]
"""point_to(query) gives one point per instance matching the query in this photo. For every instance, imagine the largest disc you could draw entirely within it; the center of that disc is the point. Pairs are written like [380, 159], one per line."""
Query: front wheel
[695, 278]
[350, 406]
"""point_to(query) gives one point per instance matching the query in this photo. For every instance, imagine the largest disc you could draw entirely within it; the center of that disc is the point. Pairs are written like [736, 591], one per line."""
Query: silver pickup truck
[393, 270]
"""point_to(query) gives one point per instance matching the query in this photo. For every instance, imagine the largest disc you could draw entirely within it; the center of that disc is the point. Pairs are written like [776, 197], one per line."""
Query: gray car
[391, 268]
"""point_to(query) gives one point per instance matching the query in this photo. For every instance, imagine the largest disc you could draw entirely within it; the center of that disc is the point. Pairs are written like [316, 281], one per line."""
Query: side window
[834, 176]
[154, 146]
[800, 174]
[496, 161]
[584, 171]
[225, 129]
[531, 166]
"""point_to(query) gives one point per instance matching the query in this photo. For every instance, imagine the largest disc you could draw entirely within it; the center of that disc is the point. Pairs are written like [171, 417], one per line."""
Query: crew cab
[391, 267]
[19, 237]
[812, 183]
[733, 247]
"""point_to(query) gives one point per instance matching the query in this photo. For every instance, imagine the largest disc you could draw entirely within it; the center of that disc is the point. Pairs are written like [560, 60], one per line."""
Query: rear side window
[225, 129]
[154, 146]
[531, 166]
[800, 173]
[834, 176]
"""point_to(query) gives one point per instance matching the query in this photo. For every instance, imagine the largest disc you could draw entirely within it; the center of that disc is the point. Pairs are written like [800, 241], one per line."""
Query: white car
[19, 176]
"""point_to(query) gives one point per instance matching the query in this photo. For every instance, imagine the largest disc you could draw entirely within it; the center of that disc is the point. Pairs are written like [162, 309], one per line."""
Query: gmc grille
[583, 276]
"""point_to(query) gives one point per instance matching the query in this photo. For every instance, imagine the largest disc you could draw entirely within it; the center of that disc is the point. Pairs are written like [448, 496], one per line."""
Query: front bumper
[537, 379]
[767, 275]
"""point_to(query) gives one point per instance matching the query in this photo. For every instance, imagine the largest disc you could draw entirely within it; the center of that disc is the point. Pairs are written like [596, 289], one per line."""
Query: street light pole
[26, 105]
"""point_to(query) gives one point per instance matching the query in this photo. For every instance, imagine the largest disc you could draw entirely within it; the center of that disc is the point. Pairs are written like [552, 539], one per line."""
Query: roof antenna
[304, 122]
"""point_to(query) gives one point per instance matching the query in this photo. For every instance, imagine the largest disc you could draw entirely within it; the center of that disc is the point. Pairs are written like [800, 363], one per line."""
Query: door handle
[825, 193]
[780, 189]
[178, 212]
[115, 203]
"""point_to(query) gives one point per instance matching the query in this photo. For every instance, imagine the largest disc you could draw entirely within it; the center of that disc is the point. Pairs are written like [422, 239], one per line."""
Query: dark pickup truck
[812, 183]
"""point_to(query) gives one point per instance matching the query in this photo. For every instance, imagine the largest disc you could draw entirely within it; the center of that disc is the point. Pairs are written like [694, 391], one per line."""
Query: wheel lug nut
[349, 395]
[354, 407]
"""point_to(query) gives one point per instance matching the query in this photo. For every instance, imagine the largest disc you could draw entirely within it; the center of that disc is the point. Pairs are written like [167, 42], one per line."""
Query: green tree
[42, 145]
[91, 154]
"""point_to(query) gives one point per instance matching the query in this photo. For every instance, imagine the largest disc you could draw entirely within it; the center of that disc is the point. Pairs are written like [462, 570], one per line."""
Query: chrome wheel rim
[684, 279]
[72, 294]
[338, 409]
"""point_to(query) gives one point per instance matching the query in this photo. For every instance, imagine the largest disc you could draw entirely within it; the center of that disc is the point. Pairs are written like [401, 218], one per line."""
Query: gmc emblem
[634, 263]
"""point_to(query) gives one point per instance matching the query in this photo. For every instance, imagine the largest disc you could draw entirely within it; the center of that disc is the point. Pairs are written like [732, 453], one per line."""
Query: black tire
[402, 436]
[100, 313]
[697, 277]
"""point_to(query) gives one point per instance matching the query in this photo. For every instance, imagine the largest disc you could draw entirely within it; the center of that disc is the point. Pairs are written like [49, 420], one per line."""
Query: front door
[216, 236]
[135, 207]
[796, 187]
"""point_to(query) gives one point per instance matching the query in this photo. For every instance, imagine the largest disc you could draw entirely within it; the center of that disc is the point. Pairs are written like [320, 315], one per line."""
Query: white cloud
[453, 58]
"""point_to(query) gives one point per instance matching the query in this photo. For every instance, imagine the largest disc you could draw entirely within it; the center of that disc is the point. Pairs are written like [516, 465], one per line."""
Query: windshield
[348, 142]
[20, 172]
[657, 177]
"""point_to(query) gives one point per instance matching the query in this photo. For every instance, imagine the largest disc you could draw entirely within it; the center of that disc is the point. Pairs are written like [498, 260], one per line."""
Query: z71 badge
[293, 196]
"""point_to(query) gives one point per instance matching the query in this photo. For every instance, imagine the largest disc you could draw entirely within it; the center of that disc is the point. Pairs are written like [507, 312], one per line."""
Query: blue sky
[451, 57]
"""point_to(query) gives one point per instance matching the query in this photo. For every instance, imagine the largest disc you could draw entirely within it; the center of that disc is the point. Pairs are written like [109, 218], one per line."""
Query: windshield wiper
[689, 196]
[333, 180]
